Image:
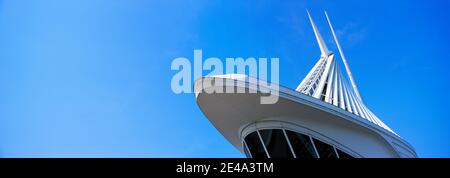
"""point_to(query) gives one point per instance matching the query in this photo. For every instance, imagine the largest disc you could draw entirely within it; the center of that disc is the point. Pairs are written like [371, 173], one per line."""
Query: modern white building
[324, 117]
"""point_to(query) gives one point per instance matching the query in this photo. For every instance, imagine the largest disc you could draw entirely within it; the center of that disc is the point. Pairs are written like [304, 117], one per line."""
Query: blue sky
[91, 78]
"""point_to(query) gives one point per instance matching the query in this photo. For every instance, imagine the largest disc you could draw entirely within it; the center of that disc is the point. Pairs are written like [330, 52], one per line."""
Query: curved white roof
[230, 113]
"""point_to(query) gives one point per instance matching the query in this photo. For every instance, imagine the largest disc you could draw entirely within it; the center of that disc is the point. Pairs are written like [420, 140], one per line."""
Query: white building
[325, 117]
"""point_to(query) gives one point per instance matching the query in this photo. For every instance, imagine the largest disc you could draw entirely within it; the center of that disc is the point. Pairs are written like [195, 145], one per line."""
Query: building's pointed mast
[323, 48]
[347, 68]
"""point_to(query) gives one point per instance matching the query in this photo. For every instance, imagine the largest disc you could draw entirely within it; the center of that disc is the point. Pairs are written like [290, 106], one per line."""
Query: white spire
[325, 82]
[347, 68]
[323, 47]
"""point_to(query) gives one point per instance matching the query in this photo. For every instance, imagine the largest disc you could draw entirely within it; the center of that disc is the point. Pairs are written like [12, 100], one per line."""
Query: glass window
[247, 153]
[324, 150]
[301, 144]
[276, 143]
[255, 146]
[343, 155]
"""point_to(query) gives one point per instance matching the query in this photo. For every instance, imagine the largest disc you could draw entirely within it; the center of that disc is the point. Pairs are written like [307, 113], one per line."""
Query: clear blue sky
[91, 78]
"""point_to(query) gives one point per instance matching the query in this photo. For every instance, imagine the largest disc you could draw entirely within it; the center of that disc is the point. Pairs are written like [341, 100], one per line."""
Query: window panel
[255, 146]
[247, 153]
[324, 150]
[301, 144]
[343, 155]
[276, 143]
[277, 146]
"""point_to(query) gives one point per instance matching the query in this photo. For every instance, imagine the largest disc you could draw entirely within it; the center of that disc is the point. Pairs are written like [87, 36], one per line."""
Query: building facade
[324, 117]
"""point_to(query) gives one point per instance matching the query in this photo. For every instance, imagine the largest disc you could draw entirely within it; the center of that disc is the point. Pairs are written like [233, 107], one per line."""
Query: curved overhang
[232, 113]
